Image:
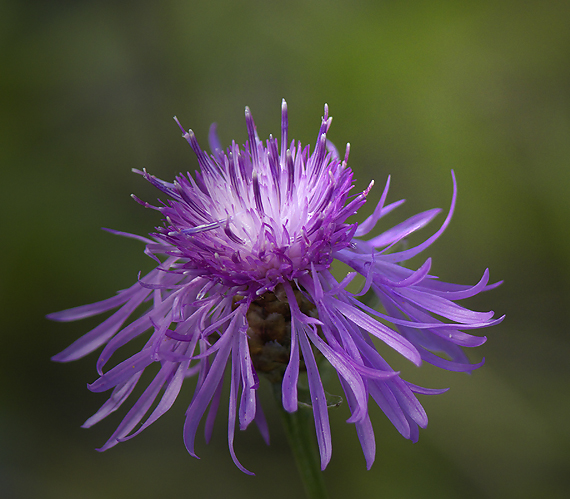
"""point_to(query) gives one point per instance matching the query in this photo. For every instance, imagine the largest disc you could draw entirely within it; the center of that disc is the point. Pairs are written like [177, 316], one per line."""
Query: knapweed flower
[243, 283]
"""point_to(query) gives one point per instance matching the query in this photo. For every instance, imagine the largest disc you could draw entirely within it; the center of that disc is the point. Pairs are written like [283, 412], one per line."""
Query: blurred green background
[87, 92]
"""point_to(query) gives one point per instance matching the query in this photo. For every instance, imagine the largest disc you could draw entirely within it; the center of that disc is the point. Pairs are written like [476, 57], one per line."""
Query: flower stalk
[300, 432]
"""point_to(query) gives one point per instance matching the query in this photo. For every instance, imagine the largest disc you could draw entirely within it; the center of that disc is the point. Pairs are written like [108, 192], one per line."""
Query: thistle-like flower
[243, 278]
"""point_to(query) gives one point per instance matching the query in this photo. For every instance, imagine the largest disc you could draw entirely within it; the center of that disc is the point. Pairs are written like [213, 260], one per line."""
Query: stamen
[284, 130]
[345, 162]
[273, 159]
[291, 173]
[231, 234]
[319, 155]
[257, 193]
[252, 135]
[181, 127]
[204, 160]
[199, 228]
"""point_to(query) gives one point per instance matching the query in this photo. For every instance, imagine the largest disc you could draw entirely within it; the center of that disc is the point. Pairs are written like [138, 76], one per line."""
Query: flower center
[269, 331]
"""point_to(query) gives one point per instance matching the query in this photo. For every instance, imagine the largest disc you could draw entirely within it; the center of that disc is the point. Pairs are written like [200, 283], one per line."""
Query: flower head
[243, 279]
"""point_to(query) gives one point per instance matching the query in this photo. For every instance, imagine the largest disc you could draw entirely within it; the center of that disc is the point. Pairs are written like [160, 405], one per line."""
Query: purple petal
[320, 411]
[140, 408]
[210, 419]
[443, 307]
[438, 288]
[409, 403]
[100, 334]
[261, 422]
[128, 234]
[234, 387]
[247, 408]
[130, 332]
[368, 224]
[386, 400]
[205, 391]
[291, 376]
[364, 430]
[170, 394]
[430, 323]
[413, 279]
[404, 229]
[84, 311]
[122, 372]
[119, 395]
[426, 391]
[348, 373]
[448, 364]
[407, 254]
[387, 335]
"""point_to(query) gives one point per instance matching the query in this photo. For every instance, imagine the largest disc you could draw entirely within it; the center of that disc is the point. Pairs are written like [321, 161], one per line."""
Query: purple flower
[243, 280]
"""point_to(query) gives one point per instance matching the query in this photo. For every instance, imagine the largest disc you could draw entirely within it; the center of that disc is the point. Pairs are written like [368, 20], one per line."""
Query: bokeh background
[87, 92]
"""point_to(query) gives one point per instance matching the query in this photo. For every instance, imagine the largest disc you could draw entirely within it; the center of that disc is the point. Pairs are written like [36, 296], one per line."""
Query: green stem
[300, 433]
